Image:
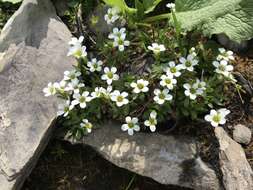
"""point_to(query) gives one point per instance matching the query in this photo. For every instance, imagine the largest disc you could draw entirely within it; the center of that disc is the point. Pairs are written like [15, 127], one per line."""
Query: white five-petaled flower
[189, 62]
[152, 121]
[95, 65]
[157, 48]
[81, 99]
[200, 86]
[112, 15]
[76, 42]
[140, 86]
[74, 85]
[51, 89]
[162, 96]
[64, 109]
[173, 69]
[191, 91]
[76, 49]
[61, 86]
[110, 75]
[120, 42]
[87, 125]
[168, 81]
[225, 55]
[117, 33]
[71, 75]
[223, 67]
[171, 6]
[97, 92]
[131, 125]
[218, 117]
[119, 98]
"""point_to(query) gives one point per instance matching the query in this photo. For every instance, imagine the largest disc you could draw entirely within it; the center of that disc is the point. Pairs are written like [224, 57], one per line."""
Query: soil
[63, 166]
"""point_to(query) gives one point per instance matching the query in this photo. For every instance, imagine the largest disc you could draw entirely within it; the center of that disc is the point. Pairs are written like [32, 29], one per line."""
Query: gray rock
[167, 159]
[242, 134]
[237, 173]
[33, 45]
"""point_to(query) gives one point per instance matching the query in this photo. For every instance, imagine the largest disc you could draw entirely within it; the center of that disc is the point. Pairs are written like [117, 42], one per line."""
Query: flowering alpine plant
[143, 74]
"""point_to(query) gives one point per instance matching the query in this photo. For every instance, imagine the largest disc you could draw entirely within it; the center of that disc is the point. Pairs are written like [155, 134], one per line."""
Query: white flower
[107, 92]
[112, 15]
[162, 96]
[71, 75]
[120, 42]
[173, 69]
[193, 52]
[189, 62]
[74, 85]
[191, 91]
[140, 86]
[152, 121]
[97, 92]
[110, 75]
[64, 109]
[81, 99]
[76, 42]
[95, 65]
[217, 118]
[87, 125]
[200, 86]
[61, 86]
[225, 55]
[171, 6]
[168, 81]
[131, 125]
[76, 49]
[117, 33]
[223, 68]
[51, 89]
[119, 98]
[157, 48]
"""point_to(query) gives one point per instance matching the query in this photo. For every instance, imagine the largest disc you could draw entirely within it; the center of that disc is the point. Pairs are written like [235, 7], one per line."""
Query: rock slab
[242, 134]
[237, 173]
[167, 159]
[33, 47]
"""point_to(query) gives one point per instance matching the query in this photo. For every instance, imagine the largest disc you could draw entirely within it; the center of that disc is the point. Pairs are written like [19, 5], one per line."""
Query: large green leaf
[117, 3]
[232, 17]
[12, 1]
[150, 5]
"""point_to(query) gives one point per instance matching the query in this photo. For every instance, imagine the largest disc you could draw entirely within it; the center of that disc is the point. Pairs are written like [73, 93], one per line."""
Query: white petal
[130, 132]
[153, 128]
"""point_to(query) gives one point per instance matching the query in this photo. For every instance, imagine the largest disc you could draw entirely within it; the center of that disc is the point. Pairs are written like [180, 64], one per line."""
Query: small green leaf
[150, 5]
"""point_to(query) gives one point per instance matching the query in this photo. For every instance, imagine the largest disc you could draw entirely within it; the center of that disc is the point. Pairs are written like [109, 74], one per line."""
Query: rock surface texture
[242, 134]
[166, 159]
[236, 171]
[33, 45]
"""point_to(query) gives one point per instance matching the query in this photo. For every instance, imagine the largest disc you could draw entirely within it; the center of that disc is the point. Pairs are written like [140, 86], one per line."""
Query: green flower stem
[157, 17]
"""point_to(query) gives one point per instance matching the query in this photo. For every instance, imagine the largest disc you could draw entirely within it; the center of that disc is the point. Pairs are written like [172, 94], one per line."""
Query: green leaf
[140, 9]
[121, 4]
[232, 17]
[12, 1]
[150, 5]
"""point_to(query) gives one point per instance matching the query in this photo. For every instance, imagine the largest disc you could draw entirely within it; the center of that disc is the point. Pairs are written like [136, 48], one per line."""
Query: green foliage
[141, 6]
[232, 17]
[12, 1]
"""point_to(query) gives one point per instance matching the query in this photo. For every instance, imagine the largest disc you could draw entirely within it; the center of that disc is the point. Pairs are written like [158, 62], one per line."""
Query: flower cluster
[221, 63]
[103, 84]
